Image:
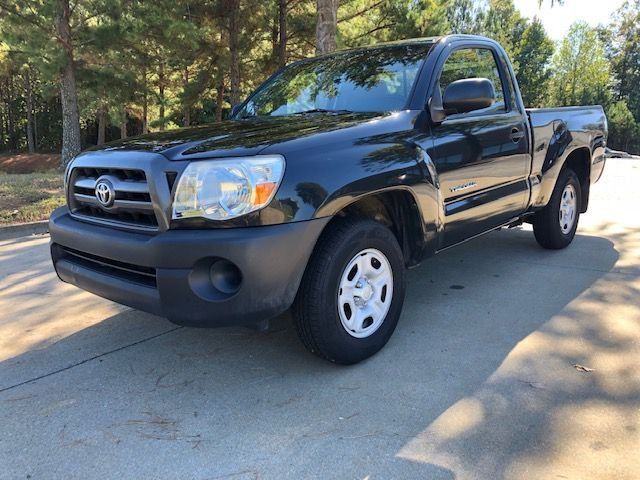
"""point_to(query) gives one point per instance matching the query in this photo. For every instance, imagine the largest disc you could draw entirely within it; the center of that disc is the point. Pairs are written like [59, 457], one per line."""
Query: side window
[474, 63]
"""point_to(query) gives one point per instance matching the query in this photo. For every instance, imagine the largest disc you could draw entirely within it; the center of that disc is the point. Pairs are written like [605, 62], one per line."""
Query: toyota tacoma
[333, 177]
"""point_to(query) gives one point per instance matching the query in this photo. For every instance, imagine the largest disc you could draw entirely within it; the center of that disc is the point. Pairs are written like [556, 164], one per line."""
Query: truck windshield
[373, 80]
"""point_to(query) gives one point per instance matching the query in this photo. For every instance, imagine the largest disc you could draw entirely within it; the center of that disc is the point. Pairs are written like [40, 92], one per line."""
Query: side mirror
[467, 95]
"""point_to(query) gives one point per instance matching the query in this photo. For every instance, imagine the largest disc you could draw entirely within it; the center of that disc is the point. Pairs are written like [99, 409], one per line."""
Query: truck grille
[132, 206]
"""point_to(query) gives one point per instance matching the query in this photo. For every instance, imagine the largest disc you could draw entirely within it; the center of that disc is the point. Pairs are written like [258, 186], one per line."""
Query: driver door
[482, 156]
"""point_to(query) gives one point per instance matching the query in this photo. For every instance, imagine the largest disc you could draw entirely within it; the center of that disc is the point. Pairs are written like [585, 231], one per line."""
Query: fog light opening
[225, 276]
[215, 279]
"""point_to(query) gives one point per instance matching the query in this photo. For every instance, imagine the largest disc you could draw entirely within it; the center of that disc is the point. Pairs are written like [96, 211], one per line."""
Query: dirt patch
[29, 162]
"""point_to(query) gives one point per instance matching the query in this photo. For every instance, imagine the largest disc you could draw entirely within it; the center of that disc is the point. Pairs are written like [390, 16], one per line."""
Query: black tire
[546, 223]
[315, 309]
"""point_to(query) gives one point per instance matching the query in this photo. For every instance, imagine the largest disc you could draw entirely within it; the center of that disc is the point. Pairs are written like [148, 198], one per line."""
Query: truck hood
[236, 137]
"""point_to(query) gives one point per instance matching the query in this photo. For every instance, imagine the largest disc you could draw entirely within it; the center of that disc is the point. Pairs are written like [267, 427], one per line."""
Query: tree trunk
[161, 98]
[282, 45]
[2, 117]
[326, 26]
[102, 121]
[71, 145]
[29, 94]
[11, 129]
[234, 47]
[123, 125]
[145, 102]
[35, 130]
[275, 34]
[186, 115]
[219, 96]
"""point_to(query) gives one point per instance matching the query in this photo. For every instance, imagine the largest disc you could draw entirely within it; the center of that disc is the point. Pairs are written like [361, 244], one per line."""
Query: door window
[474, 63]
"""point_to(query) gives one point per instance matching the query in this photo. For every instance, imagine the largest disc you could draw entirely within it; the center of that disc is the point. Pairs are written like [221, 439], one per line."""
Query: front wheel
[555, 225]
[352, 292]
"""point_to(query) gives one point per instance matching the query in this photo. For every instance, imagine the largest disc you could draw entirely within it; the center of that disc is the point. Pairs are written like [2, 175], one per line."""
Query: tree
[503, 23]
[326, 25]
[625, 54]
[581, 72]
[282, 33]
[464, 16]
[233, 10]
[29, 28]
[71, 145]
[428, 18]
[535, 50]
[623, 128]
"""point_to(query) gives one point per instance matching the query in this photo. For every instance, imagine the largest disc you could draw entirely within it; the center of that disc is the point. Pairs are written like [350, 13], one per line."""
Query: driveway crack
[87, 360]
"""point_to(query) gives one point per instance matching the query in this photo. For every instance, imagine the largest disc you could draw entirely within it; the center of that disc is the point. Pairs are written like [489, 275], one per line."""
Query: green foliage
[625, 54]
[535, 49]
[464, 16]
[366, 22]
[623, 128]
[503, 23]
[427, 18]
[582, 74]
[144, 65]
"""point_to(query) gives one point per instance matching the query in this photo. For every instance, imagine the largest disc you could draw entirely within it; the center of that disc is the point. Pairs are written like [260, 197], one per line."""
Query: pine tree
[535, 50]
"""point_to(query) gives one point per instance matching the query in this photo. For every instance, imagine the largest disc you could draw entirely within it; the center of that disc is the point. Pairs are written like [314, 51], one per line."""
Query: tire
[363, 245]
[548, 229]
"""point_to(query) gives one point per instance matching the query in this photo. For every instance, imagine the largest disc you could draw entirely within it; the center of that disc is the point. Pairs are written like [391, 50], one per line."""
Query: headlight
[223, 189]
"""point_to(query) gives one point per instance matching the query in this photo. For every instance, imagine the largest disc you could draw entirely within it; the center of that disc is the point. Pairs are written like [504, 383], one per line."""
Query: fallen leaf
[582, 368]
[538, 385]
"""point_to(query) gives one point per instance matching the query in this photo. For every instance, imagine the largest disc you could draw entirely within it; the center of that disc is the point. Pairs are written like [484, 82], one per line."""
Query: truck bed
[556, 130]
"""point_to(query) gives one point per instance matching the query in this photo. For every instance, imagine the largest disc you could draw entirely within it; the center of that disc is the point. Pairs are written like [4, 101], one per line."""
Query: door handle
[516, 134]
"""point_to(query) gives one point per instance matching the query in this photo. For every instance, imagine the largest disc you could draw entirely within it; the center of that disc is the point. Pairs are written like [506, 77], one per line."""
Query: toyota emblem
[105, 193]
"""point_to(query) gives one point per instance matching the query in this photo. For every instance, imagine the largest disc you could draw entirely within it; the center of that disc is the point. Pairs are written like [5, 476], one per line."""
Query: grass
[29, 197]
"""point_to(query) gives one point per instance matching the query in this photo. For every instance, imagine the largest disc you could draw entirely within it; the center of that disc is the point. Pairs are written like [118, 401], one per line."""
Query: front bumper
[170, 273]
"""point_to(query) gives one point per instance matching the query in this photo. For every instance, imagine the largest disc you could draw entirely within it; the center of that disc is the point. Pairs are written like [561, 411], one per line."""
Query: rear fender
[563, 146]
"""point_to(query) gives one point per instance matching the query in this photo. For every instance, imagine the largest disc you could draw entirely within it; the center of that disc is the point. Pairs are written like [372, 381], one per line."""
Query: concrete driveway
[477, 382]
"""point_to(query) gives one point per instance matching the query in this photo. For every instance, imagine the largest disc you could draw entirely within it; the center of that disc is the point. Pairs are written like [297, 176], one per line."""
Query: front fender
[386, 169]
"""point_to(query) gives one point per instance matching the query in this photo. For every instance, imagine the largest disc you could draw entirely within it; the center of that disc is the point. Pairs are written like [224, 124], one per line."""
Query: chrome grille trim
[120, 186]
[117, 204]
[132, 208]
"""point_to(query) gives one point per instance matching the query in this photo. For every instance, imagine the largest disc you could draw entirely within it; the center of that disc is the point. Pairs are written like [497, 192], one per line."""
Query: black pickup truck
[333, 177]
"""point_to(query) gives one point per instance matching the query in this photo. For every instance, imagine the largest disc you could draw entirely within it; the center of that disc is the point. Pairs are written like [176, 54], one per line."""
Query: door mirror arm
[435, 107]
[436, 112]
[234, 109]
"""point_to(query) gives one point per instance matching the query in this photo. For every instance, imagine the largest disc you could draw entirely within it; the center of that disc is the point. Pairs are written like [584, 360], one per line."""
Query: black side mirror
[467, 95]
[234, 110]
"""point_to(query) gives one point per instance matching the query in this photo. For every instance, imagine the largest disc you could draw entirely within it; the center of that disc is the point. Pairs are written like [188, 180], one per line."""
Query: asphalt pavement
[509, 362]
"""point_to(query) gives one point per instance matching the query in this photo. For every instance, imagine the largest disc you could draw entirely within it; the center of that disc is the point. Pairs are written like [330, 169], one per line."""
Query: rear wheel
[555, 226]
[352, 292]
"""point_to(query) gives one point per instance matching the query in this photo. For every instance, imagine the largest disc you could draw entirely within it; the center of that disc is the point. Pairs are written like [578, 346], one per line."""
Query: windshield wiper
[322, 110]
